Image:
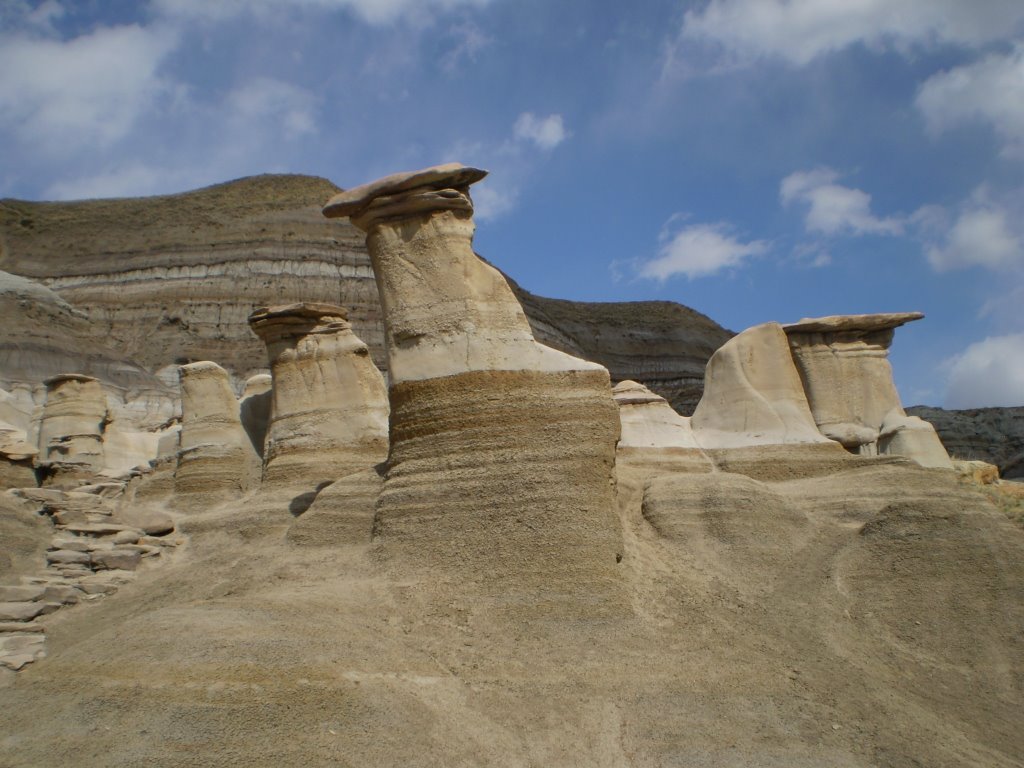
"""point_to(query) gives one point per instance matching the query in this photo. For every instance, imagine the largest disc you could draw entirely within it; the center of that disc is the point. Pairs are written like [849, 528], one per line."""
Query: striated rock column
[329, 412]
[499, 477]
[844, 365]
[71, 430]
[216, 455]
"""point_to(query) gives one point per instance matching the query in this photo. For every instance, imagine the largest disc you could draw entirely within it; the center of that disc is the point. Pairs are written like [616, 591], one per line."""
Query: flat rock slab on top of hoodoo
[450, 175]
[879, 321]
[311, 310]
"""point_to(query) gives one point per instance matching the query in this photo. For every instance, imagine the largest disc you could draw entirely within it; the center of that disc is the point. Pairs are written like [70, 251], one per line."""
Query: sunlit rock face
[753, 395]
[844, 365]
[502, 449]
[72, 425]
[329, 413]
[216, 455]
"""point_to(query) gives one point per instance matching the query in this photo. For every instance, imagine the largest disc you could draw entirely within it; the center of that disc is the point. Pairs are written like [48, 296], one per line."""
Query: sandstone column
[216, 455]
[71, 429]
[844, 365]
[499, 477]
[329, 411]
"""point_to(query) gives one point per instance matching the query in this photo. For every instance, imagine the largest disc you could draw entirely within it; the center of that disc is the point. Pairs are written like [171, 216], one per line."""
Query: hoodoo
[216, 454]
[329, 412]
[71, 430]
[502, 449]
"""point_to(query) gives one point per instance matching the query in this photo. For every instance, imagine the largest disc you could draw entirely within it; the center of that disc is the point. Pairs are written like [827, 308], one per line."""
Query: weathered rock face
[753, 394]
[216, 455]
[181, 287]
[995, 435]
[254, 409]
[329, 416]
[72, 426]
[501, 449]
[844, 365]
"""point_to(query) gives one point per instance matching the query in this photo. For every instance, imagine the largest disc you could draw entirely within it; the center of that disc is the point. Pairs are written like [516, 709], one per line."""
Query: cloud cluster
[545, 132]
[988, 373]
[990, 90]
[833, 209]
[699, 250]
[980, 235]
[798, 31]
[377, 12]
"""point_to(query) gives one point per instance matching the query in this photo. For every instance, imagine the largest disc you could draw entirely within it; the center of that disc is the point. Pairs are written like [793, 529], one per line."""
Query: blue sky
[754, 159]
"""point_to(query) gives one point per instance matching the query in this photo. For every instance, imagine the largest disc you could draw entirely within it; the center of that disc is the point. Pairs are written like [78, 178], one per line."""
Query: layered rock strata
[180, 287]
[844, 365]
[329, 413]
[72, 426]
[216, 455]
[501, 449]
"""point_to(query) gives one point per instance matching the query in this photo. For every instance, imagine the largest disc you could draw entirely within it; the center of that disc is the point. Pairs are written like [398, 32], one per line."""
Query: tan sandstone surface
[543, 571]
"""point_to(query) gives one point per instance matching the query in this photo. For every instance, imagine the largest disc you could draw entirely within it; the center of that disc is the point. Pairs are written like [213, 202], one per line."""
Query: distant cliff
[171, 279]
[995, 435]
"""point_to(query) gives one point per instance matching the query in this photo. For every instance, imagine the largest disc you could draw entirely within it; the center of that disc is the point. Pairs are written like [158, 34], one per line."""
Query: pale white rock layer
[329, 412]
[753, 394]
[648, 421]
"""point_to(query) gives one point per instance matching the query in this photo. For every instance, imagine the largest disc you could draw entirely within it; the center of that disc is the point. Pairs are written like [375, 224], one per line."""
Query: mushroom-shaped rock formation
[499, 477]
[71, 429]
[753, 395]
[844, 365]
[216, 455]
[329, 413]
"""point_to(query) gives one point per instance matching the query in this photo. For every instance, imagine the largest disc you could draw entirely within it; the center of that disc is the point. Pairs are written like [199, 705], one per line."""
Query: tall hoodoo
[329, 412]
[844, 365]
[216, 455]
[73, 420]
[499, 477]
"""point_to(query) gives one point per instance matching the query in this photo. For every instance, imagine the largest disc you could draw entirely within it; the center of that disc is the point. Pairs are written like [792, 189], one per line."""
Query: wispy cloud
[698, 250]
[990, 90]
[545, 132]
[980, 233]
[376, 12]
[832, 208]
[799, 31]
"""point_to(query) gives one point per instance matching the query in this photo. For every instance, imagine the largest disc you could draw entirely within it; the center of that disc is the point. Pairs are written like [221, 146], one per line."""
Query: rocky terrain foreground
[502, 553]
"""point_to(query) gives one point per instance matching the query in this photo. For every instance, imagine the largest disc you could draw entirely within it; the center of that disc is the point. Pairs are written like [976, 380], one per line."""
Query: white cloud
[86, 91]
[832, 208]
[376, 12]
[981, 236]
[469, 41]
[798, 31]
[698, 250]
[265, 99]
[988, 373]
[546, 132]
[990, 90]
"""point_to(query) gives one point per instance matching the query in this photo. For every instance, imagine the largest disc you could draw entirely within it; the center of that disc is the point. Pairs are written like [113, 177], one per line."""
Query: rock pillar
[71, 430]
[499, 477]
[844, 365]
[329, 411]
[216, 455]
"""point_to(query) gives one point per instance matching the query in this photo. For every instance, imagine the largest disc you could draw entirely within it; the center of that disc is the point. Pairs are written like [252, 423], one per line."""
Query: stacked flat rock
[72, 425]
[844, 364]
[329, 412]
[216, 455]
[499, 478]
